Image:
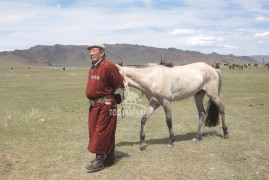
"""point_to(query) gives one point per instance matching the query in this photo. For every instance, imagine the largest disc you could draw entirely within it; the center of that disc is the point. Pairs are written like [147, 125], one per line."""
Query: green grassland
[44, 134]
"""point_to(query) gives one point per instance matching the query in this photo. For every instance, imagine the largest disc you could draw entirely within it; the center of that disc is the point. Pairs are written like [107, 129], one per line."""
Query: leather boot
[89, 166]
[97, 164]
[91, 163]
[110, 159]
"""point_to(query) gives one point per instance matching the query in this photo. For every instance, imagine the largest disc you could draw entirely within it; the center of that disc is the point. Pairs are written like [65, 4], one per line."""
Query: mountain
[74, 55]
[22, 58]
[62, 55]
[136, 54]
[261, 59]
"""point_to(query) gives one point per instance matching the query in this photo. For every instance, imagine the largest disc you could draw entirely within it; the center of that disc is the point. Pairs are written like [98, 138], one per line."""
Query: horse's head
[167, 64]
[121, 71]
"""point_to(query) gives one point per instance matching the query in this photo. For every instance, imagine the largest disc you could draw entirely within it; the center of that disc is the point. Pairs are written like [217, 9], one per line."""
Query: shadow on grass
[178, 138]
[119, 155]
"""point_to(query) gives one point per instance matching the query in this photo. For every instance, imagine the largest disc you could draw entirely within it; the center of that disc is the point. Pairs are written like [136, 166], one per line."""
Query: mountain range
[77, 56]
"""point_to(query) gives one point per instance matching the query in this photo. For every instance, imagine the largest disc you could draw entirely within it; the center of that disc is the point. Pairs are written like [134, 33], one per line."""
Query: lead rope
[122, 112]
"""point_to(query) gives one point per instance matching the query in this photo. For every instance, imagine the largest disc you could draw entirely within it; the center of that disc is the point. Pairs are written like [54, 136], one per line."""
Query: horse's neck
[135, 78]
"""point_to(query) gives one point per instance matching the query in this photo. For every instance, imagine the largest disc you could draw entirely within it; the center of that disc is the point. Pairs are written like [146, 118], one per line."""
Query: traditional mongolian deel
[103, 80]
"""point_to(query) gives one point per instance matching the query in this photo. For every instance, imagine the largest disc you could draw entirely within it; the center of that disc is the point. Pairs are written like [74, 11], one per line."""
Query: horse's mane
[162, 63]
[143, 65]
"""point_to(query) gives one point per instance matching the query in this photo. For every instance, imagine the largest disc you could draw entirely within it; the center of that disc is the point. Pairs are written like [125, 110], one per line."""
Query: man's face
[96, 54]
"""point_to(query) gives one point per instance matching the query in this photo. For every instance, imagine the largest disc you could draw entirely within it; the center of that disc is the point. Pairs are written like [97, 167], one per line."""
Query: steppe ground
[44, 135]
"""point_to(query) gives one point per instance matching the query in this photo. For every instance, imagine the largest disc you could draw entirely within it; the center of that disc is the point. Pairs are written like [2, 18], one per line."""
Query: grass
[44, 135]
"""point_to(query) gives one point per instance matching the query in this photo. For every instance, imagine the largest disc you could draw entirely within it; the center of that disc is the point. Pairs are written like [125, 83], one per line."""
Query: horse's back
[192, 78]
[202, 68]
[198, 66]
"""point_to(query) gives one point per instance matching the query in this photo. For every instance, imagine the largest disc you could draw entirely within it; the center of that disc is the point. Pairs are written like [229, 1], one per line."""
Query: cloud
[262, 19]
[263, 34]
[203, 40]
[148, 3]
[222, 26]
[182, 32]
[227, 46]
[11, 18]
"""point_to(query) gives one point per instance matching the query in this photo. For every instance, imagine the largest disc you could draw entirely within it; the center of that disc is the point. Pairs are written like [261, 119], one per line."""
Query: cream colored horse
[162, 85]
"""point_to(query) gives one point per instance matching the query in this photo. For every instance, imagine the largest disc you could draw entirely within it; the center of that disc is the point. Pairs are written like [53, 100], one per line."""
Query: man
[103, 80]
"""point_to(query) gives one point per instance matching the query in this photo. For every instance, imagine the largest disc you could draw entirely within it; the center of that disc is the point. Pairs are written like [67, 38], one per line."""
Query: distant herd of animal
[238, 66]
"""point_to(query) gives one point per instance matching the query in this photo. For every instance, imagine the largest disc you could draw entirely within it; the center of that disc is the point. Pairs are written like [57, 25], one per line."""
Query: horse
[216, 65]
[266, 65]
[232, 66]
[226, 64]
[244, 66]
[167, 64]
[162, 85]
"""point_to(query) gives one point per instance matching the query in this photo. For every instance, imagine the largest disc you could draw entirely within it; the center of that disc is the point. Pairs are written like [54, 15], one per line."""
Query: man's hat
[102, 46]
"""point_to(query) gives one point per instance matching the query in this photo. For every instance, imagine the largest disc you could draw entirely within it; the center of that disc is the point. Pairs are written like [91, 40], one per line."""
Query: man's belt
[105, 100]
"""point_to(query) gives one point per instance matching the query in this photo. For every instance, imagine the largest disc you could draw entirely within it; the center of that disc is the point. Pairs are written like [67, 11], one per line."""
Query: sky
[238, 27]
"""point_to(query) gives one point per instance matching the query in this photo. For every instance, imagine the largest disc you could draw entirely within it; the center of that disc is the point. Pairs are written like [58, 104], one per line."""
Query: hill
[21, 58]
[261, 59]
[74, 55]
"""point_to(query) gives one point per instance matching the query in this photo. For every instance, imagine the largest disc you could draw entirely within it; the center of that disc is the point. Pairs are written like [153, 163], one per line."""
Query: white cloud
[263, 34]
[262, 19]
[182, 32]
[11, 18]
[203, 40]
[227, 46]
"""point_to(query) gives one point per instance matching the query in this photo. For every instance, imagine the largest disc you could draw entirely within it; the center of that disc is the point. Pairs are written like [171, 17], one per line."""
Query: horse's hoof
[226, 135]
[170, 145]
[143, 146]
[197, 138]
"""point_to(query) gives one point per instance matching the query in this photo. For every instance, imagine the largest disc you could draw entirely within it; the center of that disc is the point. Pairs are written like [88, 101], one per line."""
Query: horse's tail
[220, 79]
[212, 118]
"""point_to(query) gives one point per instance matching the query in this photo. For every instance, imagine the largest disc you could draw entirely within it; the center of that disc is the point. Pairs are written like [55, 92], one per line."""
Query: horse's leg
[168, 115]
[201, 111]
[153, 105]
[220, 106]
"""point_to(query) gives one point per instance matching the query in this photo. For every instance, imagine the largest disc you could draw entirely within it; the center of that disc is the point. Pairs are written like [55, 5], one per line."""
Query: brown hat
[100, 45]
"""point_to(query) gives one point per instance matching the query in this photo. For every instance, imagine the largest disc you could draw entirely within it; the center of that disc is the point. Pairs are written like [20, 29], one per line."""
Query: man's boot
[110, 159]
[97, 164]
